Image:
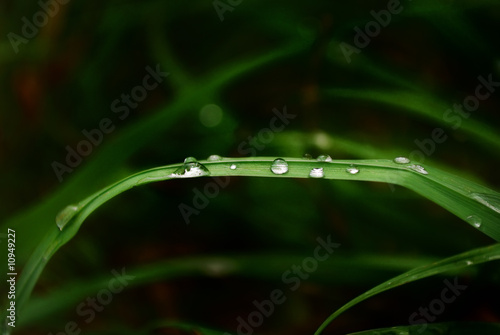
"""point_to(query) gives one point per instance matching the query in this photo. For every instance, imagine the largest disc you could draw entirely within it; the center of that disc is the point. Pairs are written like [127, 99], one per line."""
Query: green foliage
[402, 230]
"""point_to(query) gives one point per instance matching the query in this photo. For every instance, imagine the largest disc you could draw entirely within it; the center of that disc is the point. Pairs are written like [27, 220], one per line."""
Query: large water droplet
[279, 166]
[401, 160]
[492, 201]
[324, 158]
[63, 217]
[191, 168]
[419, 169]
[474, 220]
[214, 158]
[316, 173]
[352, 170]
[233, 167]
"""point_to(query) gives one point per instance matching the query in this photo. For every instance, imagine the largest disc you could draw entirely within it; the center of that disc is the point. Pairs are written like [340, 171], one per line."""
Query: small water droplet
[474, 220]
[214, 158]
[316, 173]
[401, 160]
[324, 158]
[279, 166]
[63, 217]
[492, 201]
[352, 170]
[469, 262]
[233, 167]
[190, 169]
[307, 156]
[419, 169]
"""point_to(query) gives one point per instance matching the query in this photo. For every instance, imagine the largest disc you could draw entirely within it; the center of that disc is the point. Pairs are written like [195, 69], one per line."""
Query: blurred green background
[225, 79]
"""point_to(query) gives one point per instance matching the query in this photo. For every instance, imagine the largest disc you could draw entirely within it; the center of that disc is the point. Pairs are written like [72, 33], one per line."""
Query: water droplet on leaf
[419, 169]
[307, 156]
[279, 166]
[492, 201]
[352, 170]
[316, 173]
[324, 158]
[474, 220]
[214, 158]
[233, 167]
[401, 160]
[63, 217]
[191, 168]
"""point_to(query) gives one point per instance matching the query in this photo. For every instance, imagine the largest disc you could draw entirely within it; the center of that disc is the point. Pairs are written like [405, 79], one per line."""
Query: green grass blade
[449, 328]
[364, 65]
[421, 104]
[454, 263]
[476, 204]
[31, 223]
[188, 327]
[265, 266]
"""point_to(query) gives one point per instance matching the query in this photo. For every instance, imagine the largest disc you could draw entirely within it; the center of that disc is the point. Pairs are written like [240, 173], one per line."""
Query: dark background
[263, 56]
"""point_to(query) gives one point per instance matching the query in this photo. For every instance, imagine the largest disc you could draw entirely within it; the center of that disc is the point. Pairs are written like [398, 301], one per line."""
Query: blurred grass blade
[473, 203]
[188, 327]
[451, 328]
[31, 223]
[362, 64]
[422, 104]
[454, 263]
[265, 266]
